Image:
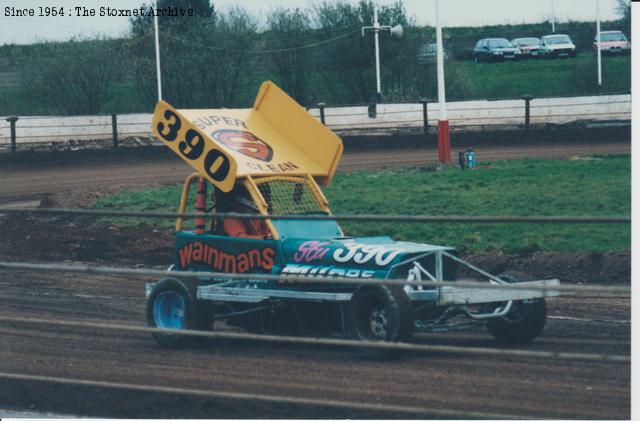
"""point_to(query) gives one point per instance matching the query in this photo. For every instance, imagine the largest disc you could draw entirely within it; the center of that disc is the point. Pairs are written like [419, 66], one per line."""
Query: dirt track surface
[513, 386]
[426, 385]
[23, 180]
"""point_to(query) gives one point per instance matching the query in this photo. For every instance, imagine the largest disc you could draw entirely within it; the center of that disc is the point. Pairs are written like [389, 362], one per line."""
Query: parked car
[528, 46]
[495, 49]
[613, 42]
[428, 53]
[557, 45]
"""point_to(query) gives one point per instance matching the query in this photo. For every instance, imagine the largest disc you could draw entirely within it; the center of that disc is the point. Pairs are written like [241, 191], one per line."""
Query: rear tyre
[523, 323]
[172, 304]
[380, 313]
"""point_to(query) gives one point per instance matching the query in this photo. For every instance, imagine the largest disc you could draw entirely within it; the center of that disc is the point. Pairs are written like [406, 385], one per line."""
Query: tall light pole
[155, 25]
[599, 42]
[444, 145]
[396, 31]
[553, 19]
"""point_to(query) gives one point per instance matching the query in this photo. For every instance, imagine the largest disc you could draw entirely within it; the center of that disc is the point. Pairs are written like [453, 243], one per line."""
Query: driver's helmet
[246, 202]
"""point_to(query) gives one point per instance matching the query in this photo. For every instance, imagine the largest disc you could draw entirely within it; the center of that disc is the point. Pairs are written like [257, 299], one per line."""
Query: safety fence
[308, 217]
[35, 132]
[145, 273]
[611, 289]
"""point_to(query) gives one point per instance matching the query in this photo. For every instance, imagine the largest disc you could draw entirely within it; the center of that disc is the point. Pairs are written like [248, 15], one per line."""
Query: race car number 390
[216, 164]
[193, 148]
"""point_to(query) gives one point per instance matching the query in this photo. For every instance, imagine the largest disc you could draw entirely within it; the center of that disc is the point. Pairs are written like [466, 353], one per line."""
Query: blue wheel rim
[168, 310]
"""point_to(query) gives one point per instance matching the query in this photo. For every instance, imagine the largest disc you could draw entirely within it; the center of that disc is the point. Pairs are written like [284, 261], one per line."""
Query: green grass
[544, 77]
[599, 186]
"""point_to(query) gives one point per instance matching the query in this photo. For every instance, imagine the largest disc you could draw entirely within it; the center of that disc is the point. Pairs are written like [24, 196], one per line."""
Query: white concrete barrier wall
[484, 113]
[461, 114]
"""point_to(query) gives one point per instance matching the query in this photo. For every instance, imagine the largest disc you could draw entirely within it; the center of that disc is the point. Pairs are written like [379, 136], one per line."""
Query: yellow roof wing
[300, 130]
[191, 144]
[275, 137]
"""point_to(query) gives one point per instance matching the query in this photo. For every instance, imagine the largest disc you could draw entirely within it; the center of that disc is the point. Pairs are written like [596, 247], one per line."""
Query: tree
[347, 64]
[624, 10]
[202, 62]
[237, 34]
[349, 73]
[202, 10]
[289, 30]
[71, 77]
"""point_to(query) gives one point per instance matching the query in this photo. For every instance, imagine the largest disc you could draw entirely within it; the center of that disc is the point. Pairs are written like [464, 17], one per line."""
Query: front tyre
[380, 313]
[172, 304]
[523, 323]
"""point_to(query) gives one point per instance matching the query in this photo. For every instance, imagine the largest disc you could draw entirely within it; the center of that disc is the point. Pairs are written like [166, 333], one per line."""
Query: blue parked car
[495, 49]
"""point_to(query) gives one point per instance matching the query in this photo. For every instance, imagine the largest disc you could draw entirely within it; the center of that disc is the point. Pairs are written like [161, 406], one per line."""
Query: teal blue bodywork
[320, 253]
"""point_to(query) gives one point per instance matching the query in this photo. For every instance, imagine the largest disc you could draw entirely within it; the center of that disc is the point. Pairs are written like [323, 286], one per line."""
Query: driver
[245, 228]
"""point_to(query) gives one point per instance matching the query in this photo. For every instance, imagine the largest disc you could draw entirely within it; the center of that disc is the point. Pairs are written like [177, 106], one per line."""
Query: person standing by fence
[471, 158]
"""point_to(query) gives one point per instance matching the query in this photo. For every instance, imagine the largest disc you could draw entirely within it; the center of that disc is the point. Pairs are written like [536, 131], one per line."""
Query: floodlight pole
[444, 144]
[376, 30]
[159, 80]
[599, 42]
[553, 19]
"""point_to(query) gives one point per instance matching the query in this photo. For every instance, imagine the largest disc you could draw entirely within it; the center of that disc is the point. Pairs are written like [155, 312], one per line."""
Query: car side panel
[217, 253]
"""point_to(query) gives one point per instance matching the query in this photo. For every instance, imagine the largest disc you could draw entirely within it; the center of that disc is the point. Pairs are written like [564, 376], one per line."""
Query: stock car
[280, 155]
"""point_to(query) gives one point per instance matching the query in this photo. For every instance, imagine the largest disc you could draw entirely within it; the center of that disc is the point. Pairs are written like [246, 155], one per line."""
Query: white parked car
[557, 45]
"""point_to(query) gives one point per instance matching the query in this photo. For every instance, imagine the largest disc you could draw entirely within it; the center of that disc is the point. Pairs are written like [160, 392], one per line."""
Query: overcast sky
[24, 30]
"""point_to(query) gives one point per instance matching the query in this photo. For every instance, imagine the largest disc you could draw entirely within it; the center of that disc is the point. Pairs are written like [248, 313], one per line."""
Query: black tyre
[172, 304]
[380, 313]
[523, 323]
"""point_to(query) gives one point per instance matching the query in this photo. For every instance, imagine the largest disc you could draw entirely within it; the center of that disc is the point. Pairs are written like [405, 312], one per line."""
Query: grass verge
[544, 77]
[597, 186]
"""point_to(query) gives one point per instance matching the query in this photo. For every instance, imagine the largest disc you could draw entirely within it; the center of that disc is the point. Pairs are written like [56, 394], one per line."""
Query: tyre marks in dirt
[526, 387]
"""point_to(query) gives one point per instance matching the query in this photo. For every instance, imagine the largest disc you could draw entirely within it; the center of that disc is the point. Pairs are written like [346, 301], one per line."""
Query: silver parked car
[529, 46]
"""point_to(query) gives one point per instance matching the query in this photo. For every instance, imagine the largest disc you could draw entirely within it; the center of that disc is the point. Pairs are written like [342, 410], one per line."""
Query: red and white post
[444, 144]
[201, 206]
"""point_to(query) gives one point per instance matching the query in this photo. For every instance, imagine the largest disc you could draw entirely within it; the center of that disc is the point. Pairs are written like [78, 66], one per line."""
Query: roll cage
[279, 195]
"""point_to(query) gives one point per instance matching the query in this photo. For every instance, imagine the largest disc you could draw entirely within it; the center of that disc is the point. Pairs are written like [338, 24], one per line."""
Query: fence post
[424, 115]
[372, 109]
[12, 120]
[527, 110]
[321, 105]
[114, 128]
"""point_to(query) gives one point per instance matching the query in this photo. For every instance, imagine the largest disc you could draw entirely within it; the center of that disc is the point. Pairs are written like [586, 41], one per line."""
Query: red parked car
[613, 42]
